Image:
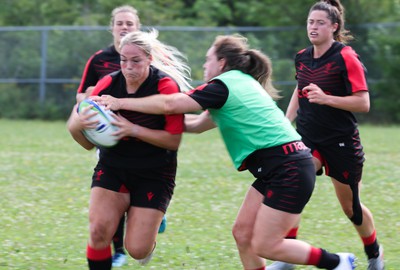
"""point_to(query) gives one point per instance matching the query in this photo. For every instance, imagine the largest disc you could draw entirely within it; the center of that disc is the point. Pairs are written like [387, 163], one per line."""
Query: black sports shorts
[343, 160]
[285, 176]
[149, 188]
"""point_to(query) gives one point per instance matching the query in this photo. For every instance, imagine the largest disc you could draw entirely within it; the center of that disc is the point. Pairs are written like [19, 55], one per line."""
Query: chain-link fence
[42, 66]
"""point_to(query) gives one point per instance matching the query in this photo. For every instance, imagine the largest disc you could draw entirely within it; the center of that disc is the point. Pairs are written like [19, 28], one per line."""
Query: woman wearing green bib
[238, 99]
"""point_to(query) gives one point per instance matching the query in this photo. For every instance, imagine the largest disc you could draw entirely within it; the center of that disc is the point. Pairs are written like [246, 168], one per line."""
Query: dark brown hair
[335, 11]
[234, 49]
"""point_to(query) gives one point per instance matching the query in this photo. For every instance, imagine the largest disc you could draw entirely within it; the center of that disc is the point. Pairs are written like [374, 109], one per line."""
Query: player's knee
[267, 249]
[242, 234]
[138, 252]
[98, 233]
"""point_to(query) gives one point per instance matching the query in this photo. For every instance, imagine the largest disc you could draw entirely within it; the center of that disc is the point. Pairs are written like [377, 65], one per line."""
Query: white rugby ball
[102, 134]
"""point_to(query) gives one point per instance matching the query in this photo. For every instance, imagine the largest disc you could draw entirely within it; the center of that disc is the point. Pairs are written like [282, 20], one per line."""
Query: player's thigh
[344, 194]
[273, 224]
[107, 203]
[248, 211]
[105, 210]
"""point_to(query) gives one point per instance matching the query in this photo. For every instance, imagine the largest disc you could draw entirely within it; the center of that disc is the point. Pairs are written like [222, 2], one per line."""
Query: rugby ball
[102, 134]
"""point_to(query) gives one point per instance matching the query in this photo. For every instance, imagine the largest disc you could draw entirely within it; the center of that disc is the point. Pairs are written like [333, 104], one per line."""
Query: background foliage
[188, 12]
[377, 32]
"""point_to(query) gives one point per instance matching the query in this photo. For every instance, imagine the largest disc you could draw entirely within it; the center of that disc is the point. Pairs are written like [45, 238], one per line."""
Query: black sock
[372, 250]
[328, 260]
[118, 239]
[100, 265]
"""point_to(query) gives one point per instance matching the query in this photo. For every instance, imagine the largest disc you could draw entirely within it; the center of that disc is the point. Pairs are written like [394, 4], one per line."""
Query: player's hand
[125, 127]
[80, 121]
[85, 118]
[315, 94]
[109, 102]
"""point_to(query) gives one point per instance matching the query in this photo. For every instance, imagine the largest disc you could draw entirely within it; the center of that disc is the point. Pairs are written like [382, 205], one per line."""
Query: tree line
[188, 12]
[373, 23]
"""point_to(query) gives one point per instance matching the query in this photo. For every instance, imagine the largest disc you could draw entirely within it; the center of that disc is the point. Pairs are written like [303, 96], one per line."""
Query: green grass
[44, 192]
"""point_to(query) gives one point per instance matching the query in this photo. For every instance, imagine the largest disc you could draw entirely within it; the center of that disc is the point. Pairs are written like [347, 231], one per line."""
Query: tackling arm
[157, 104]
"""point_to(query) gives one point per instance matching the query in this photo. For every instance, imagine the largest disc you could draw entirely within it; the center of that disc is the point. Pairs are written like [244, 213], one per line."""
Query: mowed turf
[44, 192]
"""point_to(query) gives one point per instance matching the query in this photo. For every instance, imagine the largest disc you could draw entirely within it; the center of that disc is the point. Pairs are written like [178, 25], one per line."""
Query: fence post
[43, 67]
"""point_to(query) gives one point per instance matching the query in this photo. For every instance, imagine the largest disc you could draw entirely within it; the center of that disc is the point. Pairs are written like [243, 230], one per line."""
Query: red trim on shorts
[315, 256]
[292, 233]
[123, 189]
[370, 239]
[262, 268]
[318, 156]
[98, 254]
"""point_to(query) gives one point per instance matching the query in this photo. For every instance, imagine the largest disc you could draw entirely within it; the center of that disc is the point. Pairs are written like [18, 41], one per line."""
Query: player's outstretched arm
[156, 104]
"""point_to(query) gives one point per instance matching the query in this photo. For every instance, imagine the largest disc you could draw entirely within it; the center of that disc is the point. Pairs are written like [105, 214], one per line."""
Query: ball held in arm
[102, 134]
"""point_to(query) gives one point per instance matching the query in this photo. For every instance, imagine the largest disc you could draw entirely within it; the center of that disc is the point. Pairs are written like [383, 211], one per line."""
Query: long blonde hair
[164, 57]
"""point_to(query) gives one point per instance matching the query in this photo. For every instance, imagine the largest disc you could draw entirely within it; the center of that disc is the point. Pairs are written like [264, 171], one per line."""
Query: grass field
[44, 192]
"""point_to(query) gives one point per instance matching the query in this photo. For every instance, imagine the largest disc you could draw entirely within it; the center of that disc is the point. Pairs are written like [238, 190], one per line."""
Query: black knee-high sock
[118, 239]
[371, 246]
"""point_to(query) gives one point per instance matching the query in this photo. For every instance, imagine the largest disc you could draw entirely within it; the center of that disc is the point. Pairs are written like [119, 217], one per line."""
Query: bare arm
[291, 111]
[357, 102]
[155, 104]
[198, 123]
[76, 124]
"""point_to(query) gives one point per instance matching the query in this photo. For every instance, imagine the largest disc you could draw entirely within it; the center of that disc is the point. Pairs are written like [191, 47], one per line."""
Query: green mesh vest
[250, 119]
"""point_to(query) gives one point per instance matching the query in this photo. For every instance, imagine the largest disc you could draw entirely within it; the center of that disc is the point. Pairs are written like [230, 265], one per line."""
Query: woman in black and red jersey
[124, 19]
[137, 175]
[331, 86]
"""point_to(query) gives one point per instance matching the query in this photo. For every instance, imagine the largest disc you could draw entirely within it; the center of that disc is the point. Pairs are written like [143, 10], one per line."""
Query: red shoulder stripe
[101, 85]
[355, 70]
[84, 75]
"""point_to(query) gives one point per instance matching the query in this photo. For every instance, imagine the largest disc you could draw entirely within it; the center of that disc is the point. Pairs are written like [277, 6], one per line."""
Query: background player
[332, 86]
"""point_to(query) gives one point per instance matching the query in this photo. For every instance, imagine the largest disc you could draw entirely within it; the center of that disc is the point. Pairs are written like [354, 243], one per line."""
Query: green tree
[283, 25]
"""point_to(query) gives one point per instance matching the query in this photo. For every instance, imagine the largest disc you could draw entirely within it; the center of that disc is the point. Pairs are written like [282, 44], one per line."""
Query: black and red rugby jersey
[99, 64]
[338, 72]
[131, 152]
